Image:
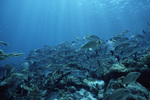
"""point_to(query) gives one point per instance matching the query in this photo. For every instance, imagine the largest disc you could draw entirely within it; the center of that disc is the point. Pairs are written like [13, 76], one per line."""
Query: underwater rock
[75, 80]
[114, 72]
[100, 95]
[72, 89]
[77, 73]
[94, 84]
[10, 86]
[8, 68]
[98, 73]
[146, 59]
[6, 71]
[149, 95]
[74, 65]
[113, 85]
[67, 71]
[52, 96]
[133, 65]
[13, 78]
[119, 68]
[86, 95]
[138, 92]
[25, 67]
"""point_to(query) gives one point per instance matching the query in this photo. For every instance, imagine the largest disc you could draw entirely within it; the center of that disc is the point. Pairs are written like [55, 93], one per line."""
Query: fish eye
[126, 90]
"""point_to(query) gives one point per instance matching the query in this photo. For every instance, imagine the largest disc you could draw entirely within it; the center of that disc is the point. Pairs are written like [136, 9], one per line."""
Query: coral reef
[69, 72]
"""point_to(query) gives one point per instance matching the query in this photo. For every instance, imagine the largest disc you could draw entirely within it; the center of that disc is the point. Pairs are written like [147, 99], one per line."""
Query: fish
[16, 54]
[133, 42]
[93, 37]
[121, 46]
[148, 27]
[127, 51]
[131, 77]
[130, 50]
[144, 31]
[137, 37]
[3, 56]
[1, 52]
[4, 43]
[123, 39]
[119, 94]
[119, 39]
[91, 44]
[125, 32]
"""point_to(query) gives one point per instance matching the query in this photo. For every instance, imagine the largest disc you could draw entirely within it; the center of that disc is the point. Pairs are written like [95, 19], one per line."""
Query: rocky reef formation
[69, 72]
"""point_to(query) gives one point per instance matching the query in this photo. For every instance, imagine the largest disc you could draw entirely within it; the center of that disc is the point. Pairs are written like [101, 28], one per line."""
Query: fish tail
[100, 41]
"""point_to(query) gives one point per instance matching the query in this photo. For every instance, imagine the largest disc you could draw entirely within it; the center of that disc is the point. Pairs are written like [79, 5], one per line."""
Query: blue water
[29, 24]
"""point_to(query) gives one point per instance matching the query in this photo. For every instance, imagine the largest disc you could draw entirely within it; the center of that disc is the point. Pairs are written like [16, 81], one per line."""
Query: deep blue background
[30, 24]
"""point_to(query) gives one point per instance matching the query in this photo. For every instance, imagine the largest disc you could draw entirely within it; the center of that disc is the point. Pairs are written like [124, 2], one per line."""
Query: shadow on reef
[88, 68]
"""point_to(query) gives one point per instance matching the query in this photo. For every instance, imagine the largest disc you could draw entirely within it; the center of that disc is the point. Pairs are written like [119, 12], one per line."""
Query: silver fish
[121, 46]
[90, 44]
[93, 37]
[131, 77]
[130, 50]
[137, 37]
[119, 39]
[119, 94]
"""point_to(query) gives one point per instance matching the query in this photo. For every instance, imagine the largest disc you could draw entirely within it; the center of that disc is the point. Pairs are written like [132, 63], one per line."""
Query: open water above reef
[28, 25]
